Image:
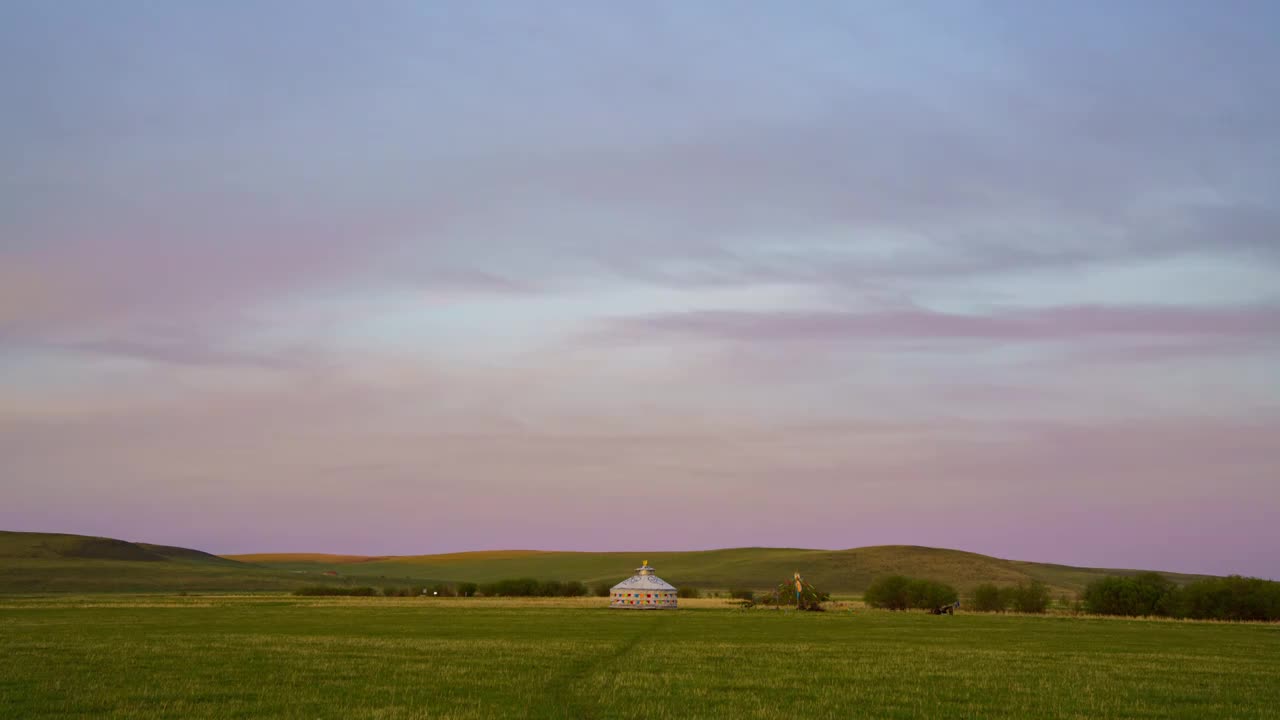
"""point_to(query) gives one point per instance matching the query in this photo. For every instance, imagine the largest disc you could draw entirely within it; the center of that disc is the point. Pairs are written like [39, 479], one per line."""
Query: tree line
[1151, 594]
[898, 592]
[1147, 594]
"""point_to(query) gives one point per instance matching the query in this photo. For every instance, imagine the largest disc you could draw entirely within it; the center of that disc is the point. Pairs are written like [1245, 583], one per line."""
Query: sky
[402, 278]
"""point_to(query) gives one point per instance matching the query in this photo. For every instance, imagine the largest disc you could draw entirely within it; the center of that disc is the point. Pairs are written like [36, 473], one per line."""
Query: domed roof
[644, 579]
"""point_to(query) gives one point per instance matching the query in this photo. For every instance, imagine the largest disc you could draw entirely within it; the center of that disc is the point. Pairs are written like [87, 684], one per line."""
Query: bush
[889, 593]
[988, 598]
[334, 590]
[518, 587]
[688, 592]
[468, 589]
[930, 594]
[441, 590]
[601, 589]
[742, 595]
[896, 592]
[1031, 597]
[1231, 598]
[529, 587]
[1141, 595]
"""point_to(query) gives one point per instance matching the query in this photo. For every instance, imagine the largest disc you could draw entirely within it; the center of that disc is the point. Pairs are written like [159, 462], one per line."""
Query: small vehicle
[946, 609]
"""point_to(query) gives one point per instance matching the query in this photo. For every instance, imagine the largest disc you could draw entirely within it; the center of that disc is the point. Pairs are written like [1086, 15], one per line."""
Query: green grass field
[278, 656]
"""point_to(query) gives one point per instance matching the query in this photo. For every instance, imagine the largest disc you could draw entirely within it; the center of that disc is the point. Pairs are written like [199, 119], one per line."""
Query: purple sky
[426, 277]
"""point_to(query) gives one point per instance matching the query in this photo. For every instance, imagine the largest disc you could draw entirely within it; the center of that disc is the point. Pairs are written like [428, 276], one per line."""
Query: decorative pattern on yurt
[643, 591]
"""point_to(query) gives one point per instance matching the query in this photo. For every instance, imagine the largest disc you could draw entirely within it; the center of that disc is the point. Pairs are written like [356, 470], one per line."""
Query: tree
[1030, 597]
[1112, 596]
[930, 594]
[1143, 594]
[889, 592]
[1232, 598]
[896, 592]
[988, 598]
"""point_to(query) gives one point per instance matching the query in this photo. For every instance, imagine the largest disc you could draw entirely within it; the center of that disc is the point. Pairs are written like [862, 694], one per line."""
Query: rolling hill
[44, 562]
[844, 571]
[48, 562]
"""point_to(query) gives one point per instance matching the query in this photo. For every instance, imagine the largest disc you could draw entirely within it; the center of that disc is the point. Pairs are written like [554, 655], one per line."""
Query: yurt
[643, 591]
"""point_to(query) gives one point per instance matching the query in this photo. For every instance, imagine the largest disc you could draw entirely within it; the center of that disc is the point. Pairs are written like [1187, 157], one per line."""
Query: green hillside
[848, 571]
[47, 562]
[43, 562]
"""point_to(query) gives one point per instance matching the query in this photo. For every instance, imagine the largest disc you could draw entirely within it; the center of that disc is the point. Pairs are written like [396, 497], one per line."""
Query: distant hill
[49, 562]
[848, 571]
[45, 562]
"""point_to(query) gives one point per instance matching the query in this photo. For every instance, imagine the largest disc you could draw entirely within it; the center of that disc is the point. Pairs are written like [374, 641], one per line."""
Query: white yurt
[643, 591]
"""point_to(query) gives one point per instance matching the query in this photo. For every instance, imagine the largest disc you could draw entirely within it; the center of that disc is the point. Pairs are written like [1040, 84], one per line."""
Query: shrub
[518, 587]
[1031, 597]
[1112, 596]
[601, 589]
[889, 592]
[929, 594]
[740, 594]
[988, 598]
[1143, 594]
[1231, 598]
[468, 589]
[334, 590]
[688, 592]
[441, 590]
[529, 587]
[896, 592]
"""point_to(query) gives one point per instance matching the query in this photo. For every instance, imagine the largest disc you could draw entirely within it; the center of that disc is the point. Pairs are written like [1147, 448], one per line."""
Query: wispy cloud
[472, 251]
[1058, 323]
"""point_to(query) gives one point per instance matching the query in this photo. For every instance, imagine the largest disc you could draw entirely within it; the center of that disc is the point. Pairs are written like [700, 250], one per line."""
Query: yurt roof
[644, 579]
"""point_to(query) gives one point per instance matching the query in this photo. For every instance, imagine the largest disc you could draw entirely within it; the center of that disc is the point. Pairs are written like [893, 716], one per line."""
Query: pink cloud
[1058, 323]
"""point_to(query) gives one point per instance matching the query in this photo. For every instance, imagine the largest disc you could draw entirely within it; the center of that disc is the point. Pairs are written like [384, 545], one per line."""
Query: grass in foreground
[276, 656]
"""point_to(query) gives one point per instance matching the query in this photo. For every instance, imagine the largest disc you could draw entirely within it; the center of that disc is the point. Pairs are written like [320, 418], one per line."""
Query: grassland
[43, 562]
[50, 562]
[844, 571]
[276, 656]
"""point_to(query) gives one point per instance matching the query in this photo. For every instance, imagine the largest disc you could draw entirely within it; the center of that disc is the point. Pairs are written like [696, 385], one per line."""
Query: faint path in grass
[560, 692]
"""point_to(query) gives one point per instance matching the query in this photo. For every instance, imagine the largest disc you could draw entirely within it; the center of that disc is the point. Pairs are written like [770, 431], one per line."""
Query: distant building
[643, 591]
